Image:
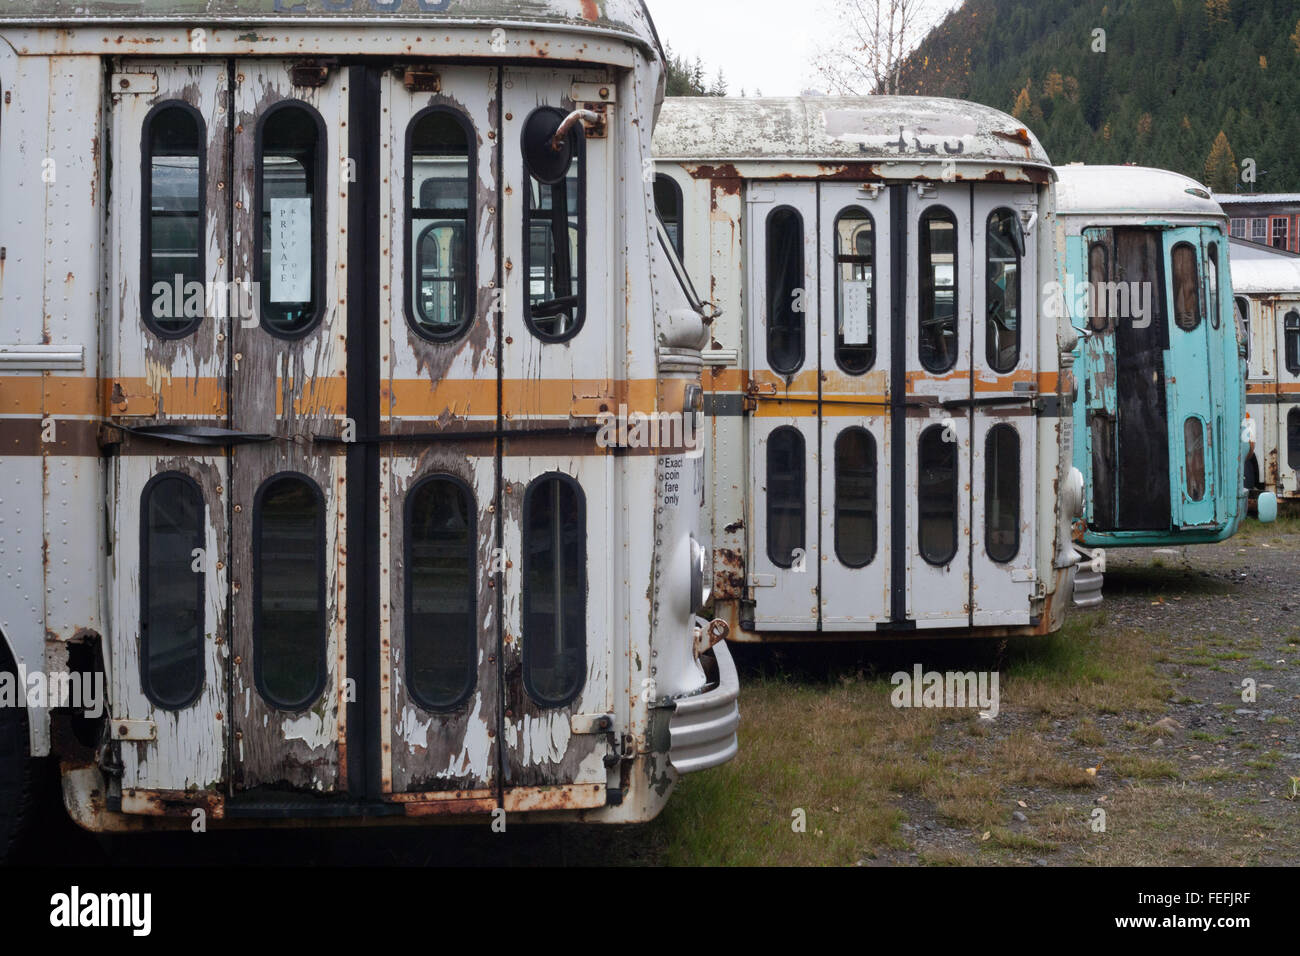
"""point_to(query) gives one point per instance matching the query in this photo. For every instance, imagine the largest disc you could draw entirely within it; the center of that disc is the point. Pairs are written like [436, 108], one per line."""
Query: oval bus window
[937, 496]
[291, 243]
[171, 235]
[441, 593]
[439, 289]
[785, 288]
[1291, 335]
[786, 506]
[938, 292]
[554, 227]
[855, 497]
[555, 590]
[1194, 446]
[172, 594]
[1002, 493]
[1187, 287]
[855, 295]
[1002, 291]
[289, 592]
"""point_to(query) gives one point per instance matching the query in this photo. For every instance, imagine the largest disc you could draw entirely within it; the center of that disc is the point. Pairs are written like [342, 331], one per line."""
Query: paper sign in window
[857, 313]
[291, 250]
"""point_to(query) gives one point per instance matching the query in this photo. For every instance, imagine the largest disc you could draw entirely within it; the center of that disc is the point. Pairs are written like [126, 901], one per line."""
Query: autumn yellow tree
[1055, 86]
[1023, 104]
[1295, 37]
[1217, 10]
[1221, 165]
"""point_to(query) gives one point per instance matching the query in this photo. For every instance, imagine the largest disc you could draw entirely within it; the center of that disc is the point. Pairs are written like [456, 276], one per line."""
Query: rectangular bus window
[555, 590]
[1293, 439]
[938, 293]
[786, 504]
[1187, 287]
[855, 497]
[1002, 493]
[1005, 244]
[172, 240]
[1194, 444]
[937, 496]
[785, 291]
[855, 291]
[171, 593]
[289, 592]
[439, 301]
[441, 593]
[1212, 281]
[1291, 334]
[554, 241]
[290, 243]
[1098, 278]
[1242, 315]
[671, 208]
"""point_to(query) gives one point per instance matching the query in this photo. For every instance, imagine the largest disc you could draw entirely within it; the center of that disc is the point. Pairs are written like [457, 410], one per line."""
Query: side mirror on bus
[1267, 507]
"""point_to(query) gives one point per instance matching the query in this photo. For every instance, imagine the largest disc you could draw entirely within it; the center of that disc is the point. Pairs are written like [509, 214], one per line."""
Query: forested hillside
[1173, 76]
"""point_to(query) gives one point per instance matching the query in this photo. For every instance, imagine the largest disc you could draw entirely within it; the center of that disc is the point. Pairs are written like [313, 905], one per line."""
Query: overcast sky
[766, 45]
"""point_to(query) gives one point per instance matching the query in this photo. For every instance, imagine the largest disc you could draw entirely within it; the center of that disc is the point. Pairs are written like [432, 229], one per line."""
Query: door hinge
[421, 81]
[134, 730]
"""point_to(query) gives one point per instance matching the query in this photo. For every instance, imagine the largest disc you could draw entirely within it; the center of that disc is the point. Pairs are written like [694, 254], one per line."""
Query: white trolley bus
[1266, 288]
[889, 397]
[311, 315]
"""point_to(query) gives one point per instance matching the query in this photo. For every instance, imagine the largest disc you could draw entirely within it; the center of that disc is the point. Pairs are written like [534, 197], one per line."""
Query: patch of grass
[1085, 669]
[1087, 734]
[1144, 768]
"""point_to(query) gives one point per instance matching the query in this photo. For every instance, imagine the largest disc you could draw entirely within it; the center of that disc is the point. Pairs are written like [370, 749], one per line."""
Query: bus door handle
[200, 435]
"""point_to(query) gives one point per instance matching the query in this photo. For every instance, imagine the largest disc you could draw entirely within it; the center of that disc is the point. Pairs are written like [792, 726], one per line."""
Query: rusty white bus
[315, 316]
[1161, 417]
[888, 387]
[1266, 289]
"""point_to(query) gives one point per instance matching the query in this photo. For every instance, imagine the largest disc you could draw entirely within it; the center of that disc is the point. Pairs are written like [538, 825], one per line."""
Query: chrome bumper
[703, 727]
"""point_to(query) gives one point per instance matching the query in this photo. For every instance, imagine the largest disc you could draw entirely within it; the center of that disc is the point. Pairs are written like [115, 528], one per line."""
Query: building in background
[1268, 219]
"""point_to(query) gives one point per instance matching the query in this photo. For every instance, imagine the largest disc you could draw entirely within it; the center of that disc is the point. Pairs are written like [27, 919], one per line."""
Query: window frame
[547, 703]
[802, 484]
[679, 195]
[1204, 483]
[802, 324]
[842, 259]
[1243, 324]
[1213, 286]
[322, 595]
[989, 352]
[956, 497]
[408, 591]
[927, 214]
[146, 219]
[201, 592]
[1293, 439]
[579, 156]
[319, 214]
[1094, 298]
[989, 482]
[1196, 285]
[1291, 341]
[471, 217]
[874, 453]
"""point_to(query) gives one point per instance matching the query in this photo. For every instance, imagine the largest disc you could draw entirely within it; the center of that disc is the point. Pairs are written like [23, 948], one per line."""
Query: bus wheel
[17, 770]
